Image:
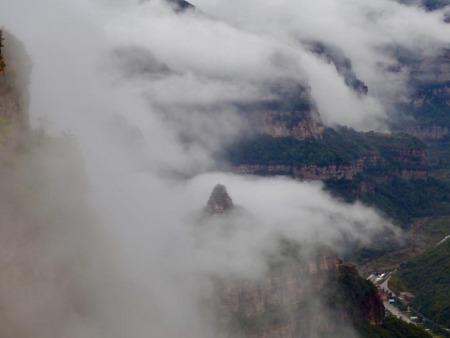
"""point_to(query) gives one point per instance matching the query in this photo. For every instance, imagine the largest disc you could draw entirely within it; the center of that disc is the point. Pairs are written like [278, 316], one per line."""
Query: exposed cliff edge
[14, 81]
[429, 100]
[49, 236]
[346, 171]
[371, 158]
[290, 113]
[305, 292]
[299, 300]
[301, 125]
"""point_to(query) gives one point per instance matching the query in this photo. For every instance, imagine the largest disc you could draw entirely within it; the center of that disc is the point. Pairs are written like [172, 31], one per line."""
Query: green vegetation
[428, 277]
[400, 199]
[422, 234]
[432, 114]
[345, 300]
[434, 111]
[354, 295]
[358, 297]
[406, 199]
[391, 328]
[336, 147]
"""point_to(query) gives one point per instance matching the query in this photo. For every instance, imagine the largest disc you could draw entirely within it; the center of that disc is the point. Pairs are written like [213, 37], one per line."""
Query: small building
[407, 296]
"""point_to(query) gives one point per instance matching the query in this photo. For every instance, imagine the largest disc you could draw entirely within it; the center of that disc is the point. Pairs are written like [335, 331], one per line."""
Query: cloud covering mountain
[149, 95]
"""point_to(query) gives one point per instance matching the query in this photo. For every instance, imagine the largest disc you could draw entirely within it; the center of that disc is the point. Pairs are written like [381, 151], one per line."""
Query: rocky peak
[219, 201]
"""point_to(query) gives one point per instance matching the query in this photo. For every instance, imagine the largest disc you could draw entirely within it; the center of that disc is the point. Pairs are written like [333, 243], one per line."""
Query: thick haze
[148, 97]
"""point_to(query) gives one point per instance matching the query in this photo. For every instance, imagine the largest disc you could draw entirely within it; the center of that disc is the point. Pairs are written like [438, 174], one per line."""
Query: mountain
[181, 5]
[429, 5]
[342, 63]
[47, 229]
[435, 4]
[430, 99]
[314, 295]
[298, 295]
[354, 165]
[219, 201]
[404, 174]
[428, 278]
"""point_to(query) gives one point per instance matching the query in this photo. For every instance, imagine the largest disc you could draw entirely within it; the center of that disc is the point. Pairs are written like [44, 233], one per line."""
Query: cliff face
[412, 165]
[304, 292]
[14, 79]
[297, 124]
[433, 70]
[298, 300]
[292, 113]
[429, 103]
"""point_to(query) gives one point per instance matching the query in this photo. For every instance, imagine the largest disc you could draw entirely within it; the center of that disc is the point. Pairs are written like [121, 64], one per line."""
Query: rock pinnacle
[219, 201]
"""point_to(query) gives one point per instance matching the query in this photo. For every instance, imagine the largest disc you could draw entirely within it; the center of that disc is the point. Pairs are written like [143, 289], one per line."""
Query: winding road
[392, 308]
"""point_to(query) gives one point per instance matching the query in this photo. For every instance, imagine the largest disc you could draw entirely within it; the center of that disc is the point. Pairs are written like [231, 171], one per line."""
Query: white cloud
[148, 141]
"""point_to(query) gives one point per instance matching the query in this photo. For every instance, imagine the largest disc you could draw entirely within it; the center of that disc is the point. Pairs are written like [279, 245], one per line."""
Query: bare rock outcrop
[297, 299]
[219, 201]
[413, 161]
[292, 113]
[296, 124]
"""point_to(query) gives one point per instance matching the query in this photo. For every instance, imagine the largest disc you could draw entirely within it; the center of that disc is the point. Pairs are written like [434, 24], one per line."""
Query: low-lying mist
[98, 227]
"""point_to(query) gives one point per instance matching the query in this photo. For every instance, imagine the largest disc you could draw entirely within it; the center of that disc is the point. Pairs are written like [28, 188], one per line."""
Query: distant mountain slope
[435, 4]
[181, 4]
[305, 292]
[428, 278]
[430, 5]
[383, 170]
